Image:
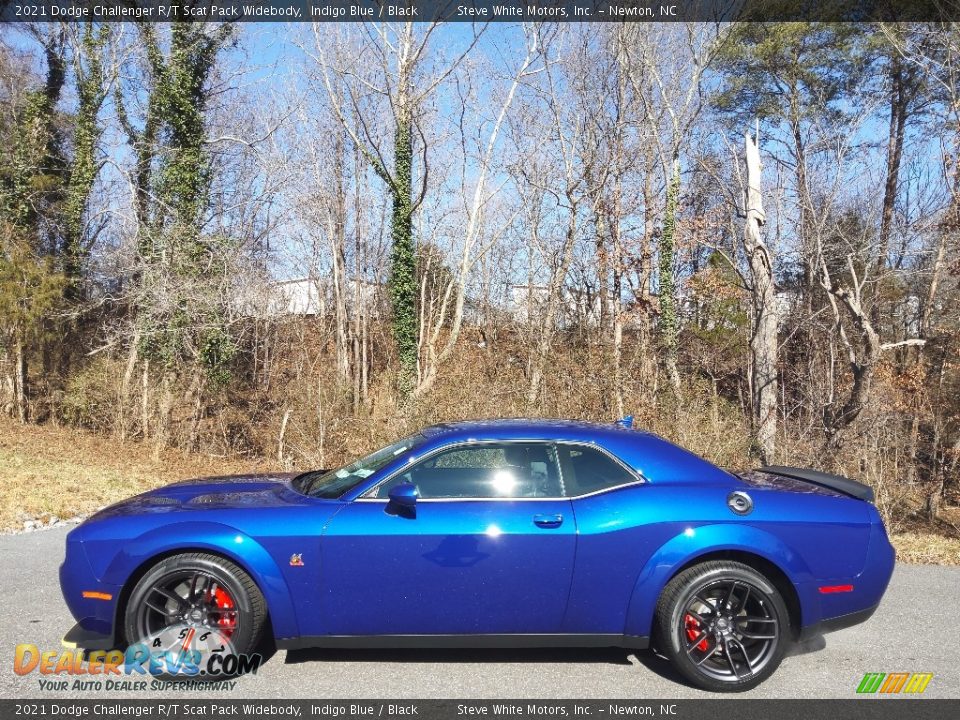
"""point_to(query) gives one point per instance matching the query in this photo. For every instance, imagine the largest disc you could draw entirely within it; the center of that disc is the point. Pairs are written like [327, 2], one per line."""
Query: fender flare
[218, 539]
[692, 543]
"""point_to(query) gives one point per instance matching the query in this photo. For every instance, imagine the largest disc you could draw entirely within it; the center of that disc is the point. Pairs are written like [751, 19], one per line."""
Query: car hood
[228, 491]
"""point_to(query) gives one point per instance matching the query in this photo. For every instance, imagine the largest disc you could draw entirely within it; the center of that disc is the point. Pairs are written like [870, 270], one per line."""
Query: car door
[617, 526]
[487, 549]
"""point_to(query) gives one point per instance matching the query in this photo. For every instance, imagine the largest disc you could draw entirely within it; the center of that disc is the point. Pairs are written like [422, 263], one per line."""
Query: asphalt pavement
[914, 630]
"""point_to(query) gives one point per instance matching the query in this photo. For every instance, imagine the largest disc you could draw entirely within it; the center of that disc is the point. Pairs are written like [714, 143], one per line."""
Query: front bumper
[80, 637]
[96, 615]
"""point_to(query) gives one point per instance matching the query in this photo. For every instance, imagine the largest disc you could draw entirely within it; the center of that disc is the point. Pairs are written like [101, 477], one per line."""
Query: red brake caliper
[692, 626]
[222, 601]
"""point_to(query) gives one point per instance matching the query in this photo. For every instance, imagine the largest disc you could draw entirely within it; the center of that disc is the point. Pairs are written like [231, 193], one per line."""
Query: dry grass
[919, 541]
[48, 471]
[926, 548]
[54, 471]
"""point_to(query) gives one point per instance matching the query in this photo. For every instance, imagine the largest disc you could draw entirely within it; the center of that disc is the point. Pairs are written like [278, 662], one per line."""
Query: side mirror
[404, 495]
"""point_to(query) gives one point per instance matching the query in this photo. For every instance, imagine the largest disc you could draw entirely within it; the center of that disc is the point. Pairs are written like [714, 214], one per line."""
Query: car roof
[525, 428]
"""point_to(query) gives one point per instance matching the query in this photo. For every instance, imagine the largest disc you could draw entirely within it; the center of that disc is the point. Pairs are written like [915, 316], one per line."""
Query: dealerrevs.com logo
[188, 657]
[894, 683]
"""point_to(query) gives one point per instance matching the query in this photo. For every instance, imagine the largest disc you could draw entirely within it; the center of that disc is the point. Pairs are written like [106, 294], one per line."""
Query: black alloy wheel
[202, 593]
[723, 625]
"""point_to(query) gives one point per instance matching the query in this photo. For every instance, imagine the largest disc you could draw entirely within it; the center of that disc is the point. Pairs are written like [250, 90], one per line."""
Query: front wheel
[193, 611]
[723, 625]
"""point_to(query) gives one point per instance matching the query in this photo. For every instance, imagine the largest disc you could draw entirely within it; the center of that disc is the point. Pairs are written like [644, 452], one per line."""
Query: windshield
[331, 484]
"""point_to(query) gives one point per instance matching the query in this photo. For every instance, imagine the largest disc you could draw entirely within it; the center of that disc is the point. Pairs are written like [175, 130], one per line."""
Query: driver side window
[494, 471]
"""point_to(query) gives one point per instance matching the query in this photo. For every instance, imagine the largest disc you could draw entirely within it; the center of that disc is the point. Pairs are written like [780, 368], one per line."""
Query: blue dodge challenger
[505, 533]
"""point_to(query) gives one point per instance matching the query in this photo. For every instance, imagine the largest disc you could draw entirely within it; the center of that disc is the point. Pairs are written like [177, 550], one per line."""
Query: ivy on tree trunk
[83, 166]
[182, 320]
[403, 264]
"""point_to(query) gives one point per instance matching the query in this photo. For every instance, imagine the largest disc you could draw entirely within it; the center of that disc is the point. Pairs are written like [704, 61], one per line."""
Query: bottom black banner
[882, 708]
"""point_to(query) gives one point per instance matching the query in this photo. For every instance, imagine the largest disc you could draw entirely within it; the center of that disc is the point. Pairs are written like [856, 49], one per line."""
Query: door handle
[548, 521]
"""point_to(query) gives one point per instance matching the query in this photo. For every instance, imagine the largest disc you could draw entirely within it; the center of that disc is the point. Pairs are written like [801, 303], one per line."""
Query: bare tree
[933, 54]
[553, 184]
[763, 338]
[672, 93]
[434, 351]
[396, 64]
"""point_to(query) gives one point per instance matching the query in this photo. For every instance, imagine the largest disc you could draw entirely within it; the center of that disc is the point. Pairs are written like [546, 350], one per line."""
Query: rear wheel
[723, 625]
[196, 602]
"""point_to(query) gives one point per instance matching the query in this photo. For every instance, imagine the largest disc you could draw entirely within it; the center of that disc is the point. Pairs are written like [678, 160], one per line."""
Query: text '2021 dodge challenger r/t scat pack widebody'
[506, 533]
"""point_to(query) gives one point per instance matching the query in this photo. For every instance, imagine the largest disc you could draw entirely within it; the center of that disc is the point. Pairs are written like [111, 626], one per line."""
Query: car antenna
[626, 422]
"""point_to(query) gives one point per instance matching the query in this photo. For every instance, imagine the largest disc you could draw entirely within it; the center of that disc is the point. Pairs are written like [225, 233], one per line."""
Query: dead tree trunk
[20, 381]
[763, 339]
[548, 322]
[616, 303]
[123, 395]
[337, 232]
[7, 382]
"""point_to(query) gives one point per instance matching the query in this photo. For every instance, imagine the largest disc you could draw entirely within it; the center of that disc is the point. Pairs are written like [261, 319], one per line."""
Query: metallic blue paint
[586, 566]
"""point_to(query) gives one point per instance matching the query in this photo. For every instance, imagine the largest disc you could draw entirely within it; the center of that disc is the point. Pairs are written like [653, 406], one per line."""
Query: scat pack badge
[296, 560]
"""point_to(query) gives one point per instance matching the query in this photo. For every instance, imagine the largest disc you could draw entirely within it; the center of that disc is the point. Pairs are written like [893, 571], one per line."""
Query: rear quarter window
[588, 470]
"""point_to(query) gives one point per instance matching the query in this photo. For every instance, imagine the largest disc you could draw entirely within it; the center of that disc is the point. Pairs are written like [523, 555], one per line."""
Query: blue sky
[269, 57]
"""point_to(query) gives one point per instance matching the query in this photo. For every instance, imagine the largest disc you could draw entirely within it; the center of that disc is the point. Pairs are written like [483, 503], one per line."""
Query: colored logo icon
[894, 683]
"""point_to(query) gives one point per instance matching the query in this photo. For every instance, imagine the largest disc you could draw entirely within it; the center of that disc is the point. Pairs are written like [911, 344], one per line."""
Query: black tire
[248, 616]
[704, 630]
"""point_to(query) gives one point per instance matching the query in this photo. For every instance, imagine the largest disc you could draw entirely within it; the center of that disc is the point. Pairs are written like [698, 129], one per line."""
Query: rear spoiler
[834, 482]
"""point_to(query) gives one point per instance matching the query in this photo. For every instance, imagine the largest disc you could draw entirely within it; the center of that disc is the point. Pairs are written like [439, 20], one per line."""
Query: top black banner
[479, 11]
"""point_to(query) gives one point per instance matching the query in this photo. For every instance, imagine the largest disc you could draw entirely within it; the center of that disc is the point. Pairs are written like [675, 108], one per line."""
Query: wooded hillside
[298, 242]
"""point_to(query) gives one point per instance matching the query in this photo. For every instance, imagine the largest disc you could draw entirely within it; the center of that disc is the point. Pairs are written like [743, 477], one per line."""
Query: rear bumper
[839, 610]
[837, 623]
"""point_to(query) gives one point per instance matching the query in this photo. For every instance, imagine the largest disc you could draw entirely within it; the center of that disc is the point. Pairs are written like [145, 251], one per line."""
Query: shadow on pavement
[814, 644]
[653, 662]
[659, 665]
